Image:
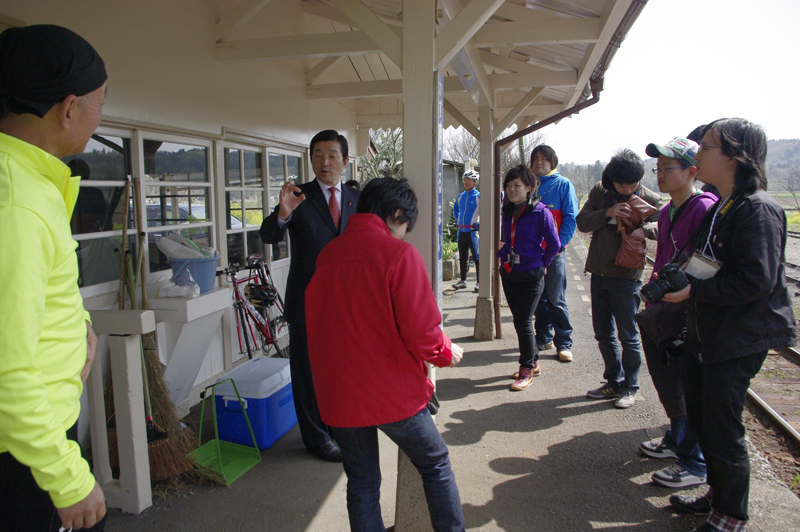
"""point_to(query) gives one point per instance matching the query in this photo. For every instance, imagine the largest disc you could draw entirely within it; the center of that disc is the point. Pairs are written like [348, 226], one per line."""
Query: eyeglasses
[657, 171]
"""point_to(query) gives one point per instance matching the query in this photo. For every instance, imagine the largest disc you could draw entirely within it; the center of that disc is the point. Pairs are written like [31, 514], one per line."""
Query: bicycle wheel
[279, 330]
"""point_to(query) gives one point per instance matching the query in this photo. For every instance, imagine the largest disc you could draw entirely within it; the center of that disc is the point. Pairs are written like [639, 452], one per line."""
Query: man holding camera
[614, 288]
[676, 170]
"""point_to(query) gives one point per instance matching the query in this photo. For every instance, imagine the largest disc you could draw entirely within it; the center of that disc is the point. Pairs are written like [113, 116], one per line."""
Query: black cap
[43, 64]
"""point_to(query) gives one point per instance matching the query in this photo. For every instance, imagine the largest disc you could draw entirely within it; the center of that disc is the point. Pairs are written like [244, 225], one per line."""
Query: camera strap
[692, 240]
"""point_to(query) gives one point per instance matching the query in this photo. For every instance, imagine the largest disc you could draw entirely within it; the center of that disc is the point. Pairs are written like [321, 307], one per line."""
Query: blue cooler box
[266, 389]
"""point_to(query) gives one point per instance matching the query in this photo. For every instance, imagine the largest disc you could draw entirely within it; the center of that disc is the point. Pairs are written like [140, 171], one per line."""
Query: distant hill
[783, 168]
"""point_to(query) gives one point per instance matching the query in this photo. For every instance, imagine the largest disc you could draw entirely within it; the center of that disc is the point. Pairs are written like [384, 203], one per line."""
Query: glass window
[100, 210]
[177, 193]
[244, 204]
[282, 168]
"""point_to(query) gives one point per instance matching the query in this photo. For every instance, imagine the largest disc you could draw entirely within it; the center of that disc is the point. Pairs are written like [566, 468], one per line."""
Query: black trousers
[315, 433]
[24, 506]
[465, 246]
[715, 396]
[522, 293]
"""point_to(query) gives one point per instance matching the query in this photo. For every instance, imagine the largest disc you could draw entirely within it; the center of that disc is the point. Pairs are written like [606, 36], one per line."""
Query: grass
[793, 220]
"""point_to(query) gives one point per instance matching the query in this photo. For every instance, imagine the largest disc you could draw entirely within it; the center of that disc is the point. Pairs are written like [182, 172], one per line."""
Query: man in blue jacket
[552, 315]
[467, 215]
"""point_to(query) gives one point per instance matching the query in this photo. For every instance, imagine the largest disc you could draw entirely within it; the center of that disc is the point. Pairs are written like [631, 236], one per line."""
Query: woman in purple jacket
[530, 242]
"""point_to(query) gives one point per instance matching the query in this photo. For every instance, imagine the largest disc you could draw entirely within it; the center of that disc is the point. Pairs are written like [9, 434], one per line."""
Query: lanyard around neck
[514, 224]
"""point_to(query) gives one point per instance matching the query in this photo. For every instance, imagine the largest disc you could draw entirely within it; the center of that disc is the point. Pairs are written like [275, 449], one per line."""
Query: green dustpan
[229, 460]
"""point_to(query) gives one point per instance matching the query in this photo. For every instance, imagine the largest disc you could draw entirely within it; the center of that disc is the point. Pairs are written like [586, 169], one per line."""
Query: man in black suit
[314, 213]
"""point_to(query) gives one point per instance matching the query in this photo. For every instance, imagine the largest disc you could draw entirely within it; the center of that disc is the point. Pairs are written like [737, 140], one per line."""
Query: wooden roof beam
[298, 46]
[461, 29]
[237, 18]
[390, 43]
[538, 32]
[614, 12]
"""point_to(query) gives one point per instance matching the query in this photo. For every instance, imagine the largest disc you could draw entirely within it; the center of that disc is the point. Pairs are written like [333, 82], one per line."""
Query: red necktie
[333, 205]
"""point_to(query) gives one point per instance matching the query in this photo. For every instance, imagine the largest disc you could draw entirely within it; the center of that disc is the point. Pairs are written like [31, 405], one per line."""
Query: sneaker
[676, 476]
[476, 288]
[536, 371]
[657, 449]
[565, 355]
[606, 391]
[626, 399]
[459, 285]
[690, 505]
[545, 347]
[523, 380]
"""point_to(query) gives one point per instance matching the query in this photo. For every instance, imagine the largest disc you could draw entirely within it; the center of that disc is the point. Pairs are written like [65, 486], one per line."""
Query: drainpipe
[596, 86]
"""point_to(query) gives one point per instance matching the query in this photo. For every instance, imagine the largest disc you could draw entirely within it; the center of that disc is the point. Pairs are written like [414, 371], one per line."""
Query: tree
[790, 181]
[388, 159]
[581, 178]
[459, 145]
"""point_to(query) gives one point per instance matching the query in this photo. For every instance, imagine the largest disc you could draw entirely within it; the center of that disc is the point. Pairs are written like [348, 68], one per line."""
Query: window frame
[141, 135]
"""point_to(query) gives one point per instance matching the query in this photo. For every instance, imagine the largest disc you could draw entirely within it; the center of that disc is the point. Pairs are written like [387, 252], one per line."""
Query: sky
[686, 63]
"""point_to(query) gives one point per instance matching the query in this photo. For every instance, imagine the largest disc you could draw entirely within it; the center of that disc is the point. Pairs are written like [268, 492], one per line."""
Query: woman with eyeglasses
[739, 308]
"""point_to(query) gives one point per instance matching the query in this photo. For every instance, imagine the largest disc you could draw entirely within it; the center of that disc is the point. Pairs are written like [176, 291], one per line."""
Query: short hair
[329, 135]
[354, 184]
[549, 154]
[746, 143]
[384, 196]
[624, 168]
[697, 133]
[524, 174]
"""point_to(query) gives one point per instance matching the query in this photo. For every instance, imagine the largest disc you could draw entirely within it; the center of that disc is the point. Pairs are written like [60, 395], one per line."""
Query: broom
[167, 449]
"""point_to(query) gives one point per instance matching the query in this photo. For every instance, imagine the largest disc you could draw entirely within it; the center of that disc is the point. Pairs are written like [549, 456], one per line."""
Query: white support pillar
[422, 131]
[484, 308]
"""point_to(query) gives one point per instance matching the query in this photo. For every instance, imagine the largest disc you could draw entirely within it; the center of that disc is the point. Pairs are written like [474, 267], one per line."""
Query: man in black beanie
[52, 91]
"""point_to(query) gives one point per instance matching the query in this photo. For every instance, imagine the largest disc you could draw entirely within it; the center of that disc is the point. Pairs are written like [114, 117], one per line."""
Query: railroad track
[776, 391]
[793, 274]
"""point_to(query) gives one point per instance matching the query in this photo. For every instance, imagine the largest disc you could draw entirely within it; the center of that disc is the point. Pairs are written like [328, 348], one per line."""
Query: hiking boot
[626, 399]
[676, 476]
[525, 377]
[657, 449]
[476, 288]
[606, 391]
[459, 285]
[545, 347]
[690, 505]
[536, 371]
[565, 355]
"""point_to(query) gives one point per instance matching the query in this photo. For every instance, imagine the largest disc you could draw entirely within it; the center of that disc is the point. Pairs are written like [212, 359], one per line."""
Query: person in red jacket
[373, 323]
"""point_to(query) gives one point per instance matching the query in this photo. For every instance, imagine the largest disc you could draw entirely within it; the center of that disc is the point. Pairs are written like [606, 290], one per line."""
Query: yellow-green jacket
[42, 320]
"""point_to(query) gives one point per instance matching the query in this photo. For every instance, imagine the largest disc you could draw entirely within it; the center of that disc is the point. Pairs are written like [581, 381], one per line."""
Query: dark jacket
[534, 225]
[605, 238]
[745, 308]
[310, 229]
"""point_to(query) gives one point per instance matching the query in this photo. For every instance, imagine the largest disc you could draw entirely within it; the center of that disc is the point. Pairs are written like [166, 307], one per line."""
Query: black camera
[670, 279]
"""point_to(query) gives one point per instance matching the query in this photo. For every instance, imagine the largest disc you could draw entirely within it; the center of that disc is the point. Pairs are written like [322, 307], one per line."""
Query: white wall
[160, 57]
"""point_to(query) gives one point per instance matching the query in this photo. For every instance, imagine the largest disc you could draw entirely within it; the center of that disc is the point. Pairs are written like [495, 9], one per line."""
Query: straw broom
[167, 449]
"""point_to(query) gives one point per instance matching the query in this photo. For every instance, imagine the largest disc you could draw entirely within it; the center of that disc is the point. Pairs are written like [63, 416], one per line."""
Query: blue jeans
[552, 315]
[616, 301]
[418, 437]
[683, 442]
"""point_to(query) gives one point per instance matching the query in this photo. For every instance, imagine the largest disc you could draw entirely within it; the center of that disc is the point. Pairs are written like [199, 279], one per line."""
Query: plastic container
[203, 270]
[265, 386]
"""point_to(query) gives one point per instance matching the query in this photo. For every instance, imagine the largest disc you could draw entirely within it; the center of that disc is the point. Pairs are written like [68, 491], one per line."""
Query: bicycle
[258, 308]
